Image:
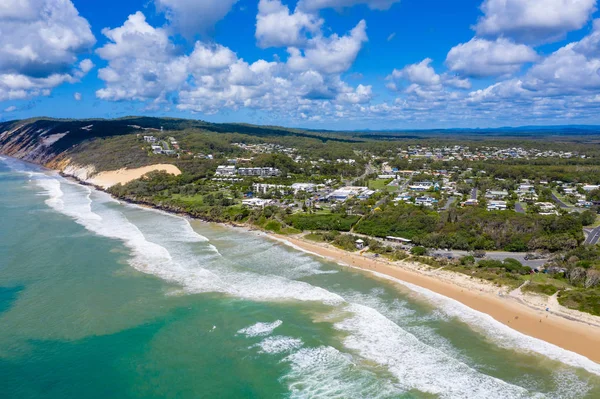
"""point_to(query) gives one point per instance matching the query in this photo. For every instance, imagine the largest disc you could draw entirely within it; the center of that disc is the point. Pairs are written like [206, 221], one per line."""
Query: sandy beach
[123, 176]
[568, 329]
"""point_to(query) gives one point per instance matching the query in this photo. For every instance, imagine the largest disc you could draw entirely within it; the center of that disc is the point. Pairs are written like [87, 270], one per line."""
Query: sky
[331, 64]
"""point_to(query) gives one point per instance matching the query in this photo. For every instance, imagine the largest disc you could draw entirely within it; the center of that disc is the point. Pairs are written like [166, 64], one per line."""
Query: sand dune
[110, 178]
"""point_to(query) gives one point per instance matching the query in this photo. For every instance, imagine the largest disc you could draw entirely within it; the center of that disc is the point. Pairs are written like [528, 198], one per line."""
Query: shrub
[418, 251]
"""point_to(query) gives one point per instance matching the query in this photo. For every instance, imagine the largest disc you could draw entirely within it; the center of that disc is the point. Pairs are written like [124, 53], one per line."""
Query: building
[470, 202]
[497, 206]
[421, 186]
[546, 208]
[265, 188]
[344, 193]
[150, 139]
[360, 244]
[496, 194]
[307, 187]
[590, 187]
[156, 149]
[259, 172]
[256, 202]
[426, 201]
[225, 170]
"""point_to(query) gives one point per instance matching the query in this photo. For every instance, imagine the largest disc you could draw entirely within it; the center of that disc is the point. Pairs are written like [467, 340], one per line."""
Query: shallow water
[102, 299]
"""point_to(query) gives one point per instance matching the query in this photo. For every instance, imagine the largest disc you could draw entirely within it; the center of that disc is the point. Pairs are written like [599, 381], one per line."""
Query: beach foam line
[152, 258]
[376, 338]
[501, 334]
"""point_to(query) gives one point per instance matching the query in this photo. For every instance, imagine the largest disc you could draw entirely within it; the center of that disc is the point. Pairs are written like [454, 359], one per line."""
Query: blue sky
[335, 64]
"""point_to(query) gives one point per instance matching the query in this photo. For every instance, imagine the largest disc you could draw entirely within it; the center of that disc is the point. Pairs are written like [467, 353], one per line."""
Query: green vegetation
[583, 300]
[537, 288]
[322, 222]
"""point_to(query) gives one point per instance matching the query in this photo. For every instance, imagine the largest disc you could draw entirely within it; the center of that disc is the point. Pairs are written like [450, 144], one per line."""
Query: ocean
[100, 299]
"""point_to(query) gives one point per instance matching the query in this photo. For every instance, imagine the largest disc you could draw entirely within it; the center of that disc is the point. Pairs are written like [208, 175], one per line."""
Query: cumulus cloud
[423, 79]
[77, 96]
[481, 57]
[12, 108]
[276, 27]
[142, 62]
[533, 21]
[190, 17]
[40, 42]
[314, 5]
[334, 54]
[145, 65]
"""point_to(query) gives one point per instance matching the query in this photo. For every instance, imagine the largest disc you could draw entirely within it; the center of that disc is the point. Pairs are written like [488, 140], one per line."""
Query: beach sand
[123, 176]
[570, 330]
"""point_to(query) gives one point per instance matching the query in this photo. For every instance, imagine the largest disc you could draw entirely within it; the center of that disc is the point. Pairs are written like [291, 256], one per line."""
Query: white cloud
[276, 27]
[40, 41]
[533, 21]
[145, 65]
[423, 80]
[314, 5]
[421, 73]
[12, 108]
[480, 57]
[334, 54]
[190, 17]
[77, 96]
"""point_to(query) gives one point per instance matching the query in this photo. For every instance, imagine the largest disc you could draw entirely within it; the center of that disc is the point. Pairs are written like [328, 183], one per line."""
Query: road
[450, 201]
[474, 193]
[593, 237]
[559, 202]
[369, 169]
[496, 255]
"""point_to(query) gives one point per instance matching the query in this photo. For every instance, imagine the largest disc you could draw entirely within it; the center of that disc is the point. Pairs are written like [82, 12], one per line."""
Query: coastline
[576, 332]
[568, 329]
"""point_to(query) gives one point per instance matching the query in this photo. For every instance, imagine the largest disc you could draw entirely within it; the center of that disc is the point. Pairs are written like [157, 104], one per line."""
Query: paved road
[497, 255]
[559, 202]
[450, 201]
[519, 207]
[593, 237]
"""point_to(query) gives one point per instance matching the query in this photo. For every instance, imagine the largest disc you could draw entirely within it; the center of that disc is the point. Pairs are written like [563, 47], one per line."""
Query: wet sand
[580, 336]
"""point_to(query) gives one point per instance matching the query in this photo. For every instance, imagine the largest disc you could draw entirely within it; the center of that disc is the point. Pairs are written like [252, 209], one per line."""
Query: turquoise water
[104, 300]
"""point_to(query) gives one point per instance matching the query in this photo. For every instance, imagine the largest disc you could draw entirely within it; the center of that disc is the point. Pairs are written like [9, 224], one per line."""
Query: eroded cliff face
[29, 142]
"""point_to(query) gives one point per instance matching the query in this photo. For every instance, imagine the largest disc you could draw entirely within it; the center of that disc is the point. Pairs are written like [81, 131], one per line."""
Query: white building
[308, 187]
[265, 188]
[344, 193]
[591, 187]
[225, 170]
[421, 186]
[256, 202]
[425, 201]
[496, 194]
[259, 172]
[496, 206]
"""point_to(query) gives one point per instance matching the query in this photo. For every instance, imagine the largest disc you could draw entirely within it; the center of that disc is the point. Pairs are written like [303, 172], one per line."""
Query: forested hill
[42, 139]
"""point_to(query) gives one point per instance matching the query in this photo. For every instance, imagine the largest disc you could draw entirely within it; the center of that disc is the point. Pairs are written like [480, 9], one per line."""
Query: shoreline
[571, 330]
[576, 334]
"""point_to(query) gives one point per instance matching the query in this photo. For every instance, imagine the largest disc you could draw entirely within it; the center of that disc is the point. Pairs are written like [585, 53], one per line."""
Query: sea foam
[260, 329]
